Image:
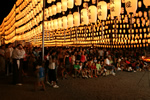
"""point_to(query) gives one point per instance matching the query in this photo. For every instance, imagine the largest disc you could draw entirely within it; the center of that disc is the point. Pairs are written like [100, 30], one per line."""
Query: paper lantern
[49, 1]
[76, 19]
[64, 5]
[139, 4]
[146, 3]
[84, 17]
[64, 21]
[59, 23]
[78, 2]
[70, 20]
[145, 14]
[54, 9]
[51, 25]
[92, 13]
[70, 4]
[58, 7]
[55, 24]
[102, 10]
[115, 7]
[131, 6]
[85, 5]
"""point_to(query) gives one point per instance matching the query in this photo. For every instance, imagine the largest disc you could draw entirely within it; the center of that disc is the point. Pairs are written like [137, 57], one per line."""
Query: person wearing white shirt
[18, 55]
[52, 72]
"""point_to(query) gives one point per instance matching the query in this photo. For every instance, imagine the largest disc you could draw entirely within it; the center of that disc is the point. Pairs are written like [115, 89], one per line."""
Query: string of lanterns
[108, 30]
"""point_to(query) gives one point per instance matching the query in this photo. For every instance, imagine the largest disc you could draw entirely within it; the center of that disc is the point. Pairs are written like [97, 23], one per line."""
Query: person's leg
[43, 85]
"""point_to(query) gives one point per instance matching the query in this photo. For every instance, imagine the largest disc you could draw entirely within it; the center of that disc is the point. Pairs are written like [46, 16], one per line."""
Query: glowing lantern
[78, 2]
[140, 13]
[70, 4]
[70, 20]
[50, 11]
[92, 10]
[64, 5]
[76, 19]
[139, 4]
[84, 17]
[51, 25]
[58, 7]
[131, 6]
[64, 21]
[49, 1]
[115, 7]
[59, 23]
[54, 9]
[146, 3]
[102, 10]
[55, 24]
[145, 14]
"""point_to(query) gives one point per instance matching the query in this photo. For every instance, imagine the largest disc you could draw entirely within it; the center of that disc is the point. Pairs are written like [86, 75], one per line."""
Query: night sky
[5, 8]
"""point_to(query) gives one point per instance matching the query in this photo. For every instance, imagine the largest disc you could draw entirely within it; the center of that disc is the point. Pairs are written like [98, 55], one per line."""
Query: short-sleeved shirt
[98, 66]
[41, 72]
[77, 67]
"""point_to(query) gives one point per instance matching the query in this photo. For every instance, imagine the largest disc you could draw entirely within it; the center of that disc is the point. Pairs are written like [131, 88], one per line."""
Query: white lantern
[64, 20]
[84, 17]
[85, 5]
[78, 2]
[54, 9]
[102, 10]
[55, 24]
[64, 5]
[49, 1]
[76, 19]
[131, 6]
[58, 7]
[53, 0]
[115, 7]
[92, 13]
[60, 23]
[70, 20]
[70, 4]
[146, 3]
[50, 11]
[140, 4]
[51, 25]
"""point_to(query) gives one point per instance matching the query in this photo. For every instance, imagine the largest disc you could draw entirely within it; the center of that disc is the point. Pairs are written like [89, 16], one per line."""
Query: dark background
[5, 8]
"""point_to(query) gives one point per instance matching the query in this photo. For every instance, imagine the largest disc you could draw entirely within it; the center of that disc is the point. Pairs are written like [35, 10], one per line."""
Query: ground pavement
[123, 86]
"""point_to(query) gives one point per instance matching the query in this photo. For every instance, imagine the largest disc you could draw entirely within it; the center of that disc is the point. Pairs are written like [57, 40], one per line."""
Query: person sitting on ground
[76, 69]
[93, 70]
[85, 70]
[99, 68]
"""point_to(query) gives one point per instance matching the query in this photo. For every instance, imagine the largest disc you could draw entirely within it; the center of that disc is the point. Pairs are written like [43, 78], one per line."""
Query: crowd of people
[66, 62]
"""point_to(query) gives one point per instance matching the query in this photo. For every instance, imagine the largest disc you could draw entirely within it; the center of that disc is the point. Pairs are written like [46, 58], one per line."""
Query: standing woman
[18, 55]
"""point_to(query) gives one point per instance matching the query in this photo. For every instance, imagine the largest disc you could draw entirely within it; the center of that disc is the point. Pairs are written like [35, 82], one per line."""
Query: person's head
[93, 64]
[98, 62]
[19, 46]
[77, 63]
[80, 64]
[94, 58]
[2, 47]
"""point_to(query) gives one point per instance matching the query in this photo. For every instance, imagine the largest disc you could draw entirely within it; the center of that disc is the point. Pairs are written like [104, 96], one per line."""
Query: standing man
[8, 57]
[18, 55]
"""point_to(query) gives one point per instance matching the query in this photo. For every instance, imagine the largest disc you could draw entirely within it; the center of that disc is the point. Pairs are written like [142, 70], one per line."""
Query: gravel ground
[123, 86]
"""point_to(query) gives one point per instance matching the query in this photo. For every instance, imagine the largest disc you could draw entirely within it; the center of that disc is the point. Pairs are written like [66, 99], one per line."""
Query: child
[98, 67]
[52, 74]
[93, 69]
[85, 70]
[76, 69]
[40, 75]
